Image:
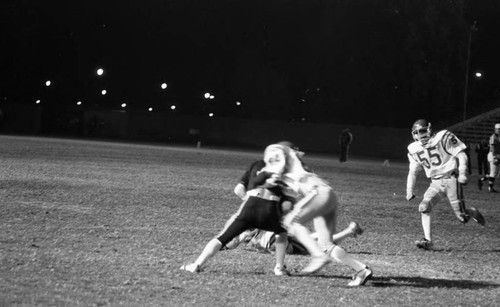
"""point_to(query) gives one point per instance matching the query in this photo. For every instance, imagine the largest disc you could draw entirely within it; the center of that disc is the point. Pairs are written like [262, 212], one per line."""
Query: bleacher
[478, 128]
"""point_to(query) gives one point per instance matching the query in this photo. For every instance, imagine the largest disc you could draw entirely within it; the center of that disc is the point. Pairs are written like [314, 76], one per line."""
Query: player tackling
[442, 157]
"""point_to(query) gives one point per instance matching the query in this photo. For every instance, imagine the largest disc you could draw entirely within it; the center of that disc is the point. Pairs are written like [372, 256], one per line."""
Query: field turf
[94, 223]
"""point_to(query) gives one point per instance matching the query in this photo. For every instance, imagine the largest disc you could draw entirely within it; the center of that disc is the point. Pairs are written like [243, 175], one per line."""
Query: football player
[442, 157]
[315, 201]
[493, 160]
[261, 208]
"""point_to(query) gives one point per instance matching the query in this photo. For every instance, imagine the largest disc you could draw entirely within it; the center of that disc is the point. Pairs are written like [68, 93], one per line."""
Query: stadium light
[78, 103]
[100, 71]
[163, 86]
[207, 95]
[173, 107]
[48, 83]
[104, 92]
[150, 109]
[124, 105]
[37, 101]
[479, 75]
[211, 114]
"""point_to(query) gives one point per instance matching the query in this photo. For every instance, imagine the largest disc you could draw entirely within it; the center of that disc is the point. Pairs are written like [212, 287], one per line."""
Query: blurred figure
[442, 156]
[345, 140]
[493, 160]
[482, 150]
[261, 208]
[316, 202]
[264, 241]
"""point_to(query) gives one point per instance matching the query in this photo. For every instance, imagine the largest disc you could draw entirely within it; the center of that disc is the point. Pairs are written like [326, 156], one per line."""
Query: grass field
[87, 223]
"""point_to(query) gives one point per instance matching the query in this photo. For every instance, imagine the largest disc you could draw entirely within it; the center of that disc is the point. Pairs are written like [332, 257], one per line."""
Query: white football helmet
[421, 131]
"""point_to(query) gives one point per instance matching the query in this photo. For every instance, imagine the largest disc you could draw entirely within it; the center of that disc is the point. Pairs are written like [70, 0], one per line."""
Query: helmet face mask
[421, 131]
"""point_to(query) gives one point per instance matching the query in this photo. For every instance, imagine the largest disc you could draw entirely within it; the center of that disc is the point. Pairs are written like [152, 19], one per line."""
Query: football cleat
[355, 229]
[476, 216]
[480, 184]
[424, 244]
[281, 271]
[192, 268]
[361, 277]
[492, 190]
[316, 264]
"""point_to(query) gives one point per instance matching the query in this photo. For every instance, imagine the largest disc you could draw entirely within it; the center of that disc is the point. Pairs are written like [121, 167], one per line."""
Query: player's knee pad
[280, 238]
[425, 206]
[292, 228]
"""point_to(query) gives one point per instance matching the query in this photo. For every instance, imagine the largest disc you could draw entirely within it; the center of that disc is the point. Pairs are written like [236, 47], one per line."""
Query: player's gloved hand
[410, 196]
[496, 160]
[462, 178]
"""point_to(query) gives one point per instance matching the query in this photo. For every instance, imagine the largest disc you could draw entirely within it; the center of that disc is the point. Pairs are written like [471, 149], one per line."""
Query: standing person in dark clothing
[482, 150]
[345, 141]
[493, 160]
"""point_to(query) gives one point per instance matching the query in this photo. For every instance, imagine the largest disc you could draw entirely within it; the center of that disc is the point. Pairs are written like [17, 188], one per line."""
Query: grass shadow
[422, 282]
[416, 282]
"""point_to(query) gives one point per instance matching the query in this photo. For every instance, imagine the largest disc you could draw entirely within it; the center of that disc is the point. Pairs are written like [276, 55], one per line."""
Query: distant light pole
[467, 69]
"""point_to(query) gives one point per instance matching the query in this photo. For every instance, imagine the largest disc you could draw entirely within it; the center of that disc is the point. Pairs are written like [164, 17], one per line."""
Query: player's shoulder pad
[445, 136]
[443, 133]
[414, 147]
[441, 136]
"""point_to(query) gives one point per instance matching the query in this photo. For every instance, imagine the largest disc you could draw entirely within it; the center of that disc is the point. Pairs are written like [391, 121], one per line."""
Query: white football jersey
[495, 144]
[437, 158]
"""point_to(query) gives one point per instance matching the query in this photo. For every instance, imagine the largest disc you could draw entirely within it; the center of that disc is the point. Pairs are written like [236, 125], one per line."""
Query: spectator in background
[493, 160]
[345, 141]
[482, 150]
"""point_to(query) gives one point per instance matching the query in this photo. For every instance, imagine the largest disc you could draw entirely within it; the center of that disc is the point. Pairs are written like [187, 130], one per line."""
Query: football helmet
[421, 131]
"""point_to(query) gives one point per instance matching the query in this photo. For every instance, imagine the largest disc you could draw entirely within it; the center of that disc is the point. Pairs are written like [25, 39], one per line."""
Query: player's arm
[413, 170]
[462, 167]
[241, 187]
[240, 190]
[457, 148]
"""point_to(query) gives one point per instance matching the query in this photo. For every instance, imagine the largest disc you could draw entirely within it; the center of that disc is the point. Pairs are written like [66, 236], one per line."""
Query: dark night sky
[340, 56]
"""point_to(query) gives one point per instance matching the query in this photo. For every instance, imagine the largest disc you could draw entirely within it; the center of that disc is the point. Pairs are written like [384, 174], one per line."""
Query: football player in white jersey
[493, 160]
[444, 161]
[315, 201]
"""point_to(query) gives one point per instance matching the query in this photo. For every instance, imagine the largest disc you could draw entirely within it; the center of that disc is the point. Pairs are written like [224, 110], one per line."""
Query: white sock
[341, 256]
[208, 252]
